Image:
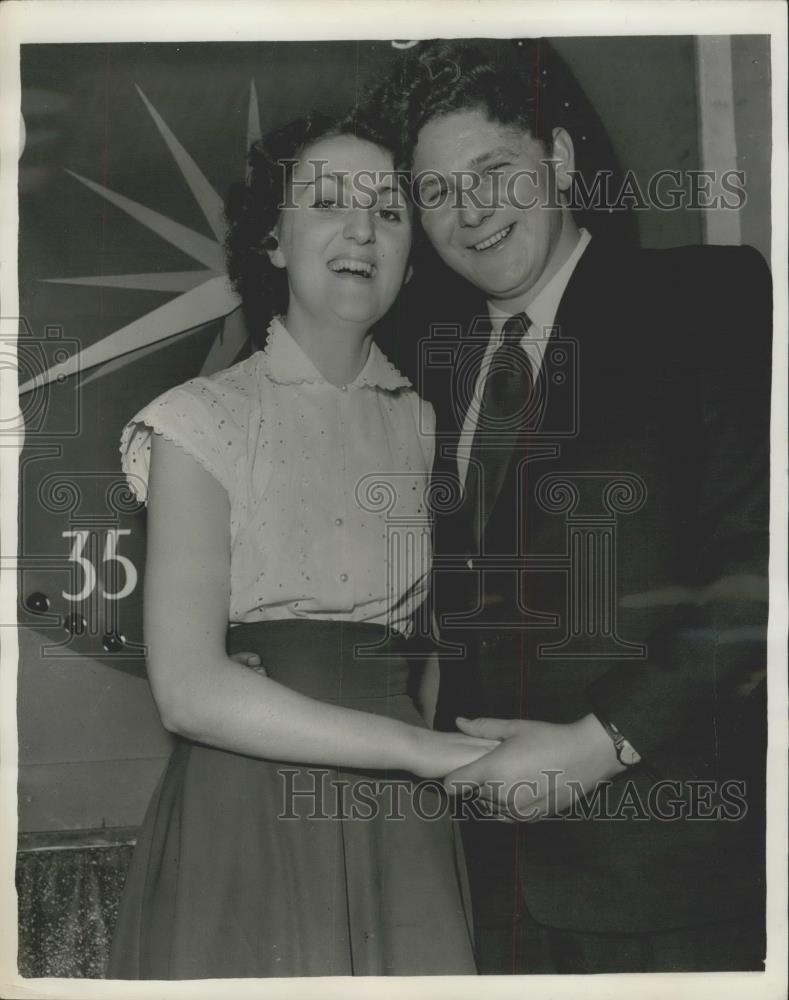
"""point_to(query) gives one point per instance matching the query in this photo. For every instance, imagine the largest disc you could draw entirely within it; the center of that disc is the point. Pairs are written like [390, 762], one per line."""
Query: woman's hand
[436, 754]
[251, 660]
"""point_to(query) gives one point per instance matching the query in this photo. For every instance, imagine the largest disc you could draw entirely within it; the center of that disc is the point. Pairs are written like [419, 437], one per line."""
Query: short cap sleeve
[195, 416]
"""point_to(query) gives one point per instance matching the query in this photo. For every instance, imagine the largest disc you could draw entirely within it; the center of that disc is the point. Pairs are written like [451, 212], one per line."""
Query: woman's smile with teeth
[348, 265]
[495, 239]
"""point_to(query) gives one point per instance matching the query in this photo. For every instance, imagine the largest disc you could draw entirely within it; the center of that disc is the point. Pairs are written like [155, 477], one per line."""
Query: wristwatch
[626, 753]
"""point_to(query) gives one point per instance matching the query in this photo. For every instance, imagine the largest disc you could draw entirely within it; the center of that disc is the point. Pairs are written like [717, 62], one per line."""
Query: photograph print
[394, 506]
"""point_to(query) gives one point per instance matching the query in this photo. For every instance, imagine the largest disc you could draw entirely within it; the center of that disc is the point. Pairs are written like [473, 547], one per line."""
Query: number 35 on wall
[110, 557]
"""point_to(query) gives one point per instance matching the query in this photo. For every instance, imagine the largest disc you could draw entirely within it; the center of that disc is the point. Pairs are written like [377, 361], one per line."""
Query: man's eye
[390, 214]
[324, 203]
[433, 196]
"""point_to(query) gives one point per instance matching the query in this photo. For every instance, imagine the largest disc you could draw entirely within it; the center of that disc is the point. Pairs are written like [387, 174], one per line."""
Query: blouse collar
[286, 363]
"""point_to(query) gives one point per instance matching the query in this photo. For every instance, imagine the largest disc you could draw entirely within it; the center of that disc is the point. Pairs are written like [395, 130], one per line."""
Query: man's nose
[359, 225]
[473, 211]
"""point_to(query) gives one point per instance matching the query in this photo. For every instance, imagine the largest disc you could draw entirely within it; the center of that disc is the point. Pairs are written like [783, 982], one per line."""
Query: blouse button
[344, 388]
[344, 577]
[338, 521]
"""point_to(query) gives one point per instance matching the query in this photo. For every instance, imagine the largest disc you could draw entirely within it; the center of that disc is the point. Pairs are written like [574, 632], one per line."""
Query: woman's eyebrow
[332, 175]
[317, 173]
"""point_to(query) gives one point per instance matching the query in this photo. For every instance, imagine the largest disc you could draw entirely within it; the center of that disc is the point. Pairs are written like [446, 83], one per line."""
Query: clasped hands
[532, 769]
[537, 767]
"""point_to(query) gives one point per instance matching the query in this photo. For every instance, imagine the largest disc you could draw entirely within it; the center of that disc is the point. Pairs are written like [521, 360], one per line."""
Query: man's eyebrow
[430, 178]
[490, 154]
[433, 178]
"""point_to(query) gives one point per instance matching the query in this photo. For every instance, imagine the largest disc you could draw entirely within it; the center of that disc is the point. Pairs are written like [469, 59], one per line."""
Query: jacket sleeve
[695, 695]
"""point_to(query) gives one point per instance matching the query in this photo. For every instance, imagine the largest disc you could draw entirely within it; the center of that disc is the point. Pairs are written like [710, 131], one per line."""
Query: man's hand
[526, 777]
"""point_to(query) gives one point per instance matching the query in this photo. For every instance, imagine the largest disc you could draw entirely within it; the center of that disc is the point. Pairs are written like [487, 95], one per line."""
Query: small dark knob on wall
[37, 602]
[113, 642]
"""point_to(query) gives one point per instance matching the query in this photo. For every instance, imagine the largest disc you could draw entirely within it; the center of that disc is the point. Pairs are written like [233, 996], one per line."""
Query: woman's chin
[357, 317]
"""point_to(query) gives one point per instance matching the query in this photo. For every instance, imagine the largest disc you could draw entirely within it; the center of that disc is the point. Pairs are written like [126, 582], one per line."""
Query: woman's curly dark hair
[252, 207]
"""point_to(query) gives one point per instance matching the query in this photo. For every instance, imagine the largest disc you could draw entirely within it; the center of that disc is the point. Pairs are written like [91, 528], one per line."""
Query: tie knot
[516, 328]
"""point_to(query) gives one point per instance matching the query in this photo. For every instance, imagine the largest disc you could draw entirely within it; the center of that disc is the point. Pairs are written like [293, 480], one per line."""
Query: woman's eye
[390, 214]
[324, 203]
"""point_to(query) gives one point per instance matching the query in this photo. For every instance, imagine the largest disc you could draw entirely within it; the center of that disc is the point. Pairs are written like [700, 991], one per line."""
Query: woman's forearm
[231, 707]
[205, 696]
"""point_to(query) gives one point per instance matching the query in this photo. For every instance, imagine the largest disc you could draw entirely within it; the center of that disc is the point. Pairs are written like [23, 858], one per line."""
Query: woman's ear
[409, 273]
[274, 250]
[563, 158]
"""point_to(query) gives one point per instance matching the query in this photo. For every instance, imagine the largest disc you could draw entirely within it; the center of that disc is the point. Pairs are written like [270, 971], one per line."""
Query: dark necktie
[501, 422]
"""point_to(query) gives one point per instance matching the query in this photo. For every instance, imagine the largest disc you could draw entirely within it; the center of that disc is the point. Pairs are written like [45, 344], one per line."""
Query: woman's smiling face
[344, 234]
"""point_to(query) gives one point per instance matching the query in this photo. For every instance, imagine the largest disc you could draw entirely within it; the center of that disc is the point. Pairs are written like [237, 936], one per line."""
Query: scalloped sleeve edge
[136, 454]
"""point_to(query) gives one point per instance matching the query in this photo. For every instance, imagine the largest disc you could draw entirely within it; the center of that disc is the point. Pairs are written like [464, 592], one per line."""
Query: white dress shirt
[542, 313]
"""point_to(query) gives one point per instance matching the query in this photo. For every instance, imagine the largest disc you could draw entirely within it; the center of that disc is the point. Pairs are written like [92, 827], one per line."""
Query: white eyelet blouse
[327, 484]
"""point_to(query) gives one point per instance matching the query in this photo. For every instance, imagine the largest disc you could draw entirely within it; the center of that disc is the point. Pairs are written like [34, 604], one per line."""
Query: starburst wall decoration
[205, 295]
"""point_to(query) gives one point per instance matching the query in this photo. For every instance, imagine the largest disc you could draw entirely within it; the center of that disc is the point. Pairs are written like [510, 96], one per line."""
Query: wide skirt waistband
[330, 660]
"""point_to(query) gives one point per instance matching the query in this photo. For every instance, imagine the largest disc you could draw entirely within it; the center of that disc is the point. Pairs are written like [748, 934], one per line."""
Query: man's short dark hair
[515, 82]
[521, 82]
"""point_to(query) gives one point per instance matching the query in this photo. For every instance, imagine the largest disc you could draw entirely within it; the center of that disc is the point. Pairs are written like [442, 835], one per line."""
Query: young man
[606, 420]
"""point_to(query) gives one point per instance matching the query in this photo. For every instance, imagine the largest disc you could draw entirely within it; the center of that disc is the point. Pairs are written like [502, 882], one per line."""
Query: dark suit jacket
[642, 490]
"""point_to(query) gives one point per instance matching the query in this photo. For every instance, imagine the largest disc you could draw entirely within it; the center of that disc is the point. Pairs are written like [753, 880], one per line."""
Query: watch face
[628, 755]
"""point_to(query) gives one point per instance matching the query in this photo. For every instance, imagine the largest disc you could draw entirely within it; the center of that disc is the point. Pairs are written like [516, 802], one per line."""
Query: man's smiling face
[505, 235]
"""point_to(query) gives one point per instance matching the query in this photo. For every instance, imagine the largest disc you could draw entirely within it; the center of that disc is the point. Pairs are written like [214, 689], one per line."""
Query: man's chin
[500, 286]
[504, 291]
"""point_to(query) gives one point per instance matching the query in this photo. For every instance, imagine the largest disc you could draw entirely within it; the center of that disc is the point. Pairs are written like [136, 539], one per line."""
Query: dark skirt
[253, 868]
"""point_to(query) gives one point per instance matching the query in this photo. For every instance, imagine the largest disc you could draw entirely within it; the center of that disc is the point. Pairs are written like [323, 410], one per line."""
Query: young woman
[286, 500]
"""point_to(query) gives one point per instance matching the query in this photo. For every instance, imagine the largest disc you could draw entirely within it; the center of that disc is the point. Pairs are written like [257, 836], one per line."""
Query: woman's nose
[359, 225]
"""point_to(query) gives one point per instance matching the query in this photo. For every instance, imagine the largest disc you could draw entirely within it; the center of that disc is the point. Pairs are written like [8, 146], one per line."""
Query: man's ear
[563, 158]
[409, 273]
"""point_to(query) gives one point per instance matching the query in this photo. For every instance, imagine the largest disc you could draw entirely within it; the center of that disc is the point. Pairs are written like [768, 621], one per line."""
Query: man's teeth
[360, 267]
[491, 241]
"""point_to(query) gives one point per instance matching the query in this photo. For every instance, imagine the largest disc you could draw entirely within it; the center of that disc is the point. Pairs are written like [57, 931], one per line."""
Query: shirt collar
[285, 363]
[542, 311]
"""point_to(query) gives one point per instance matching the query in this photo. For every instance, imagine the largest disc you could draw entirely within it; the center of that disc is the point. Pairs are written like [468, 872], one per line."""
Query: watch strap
[626, 753]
